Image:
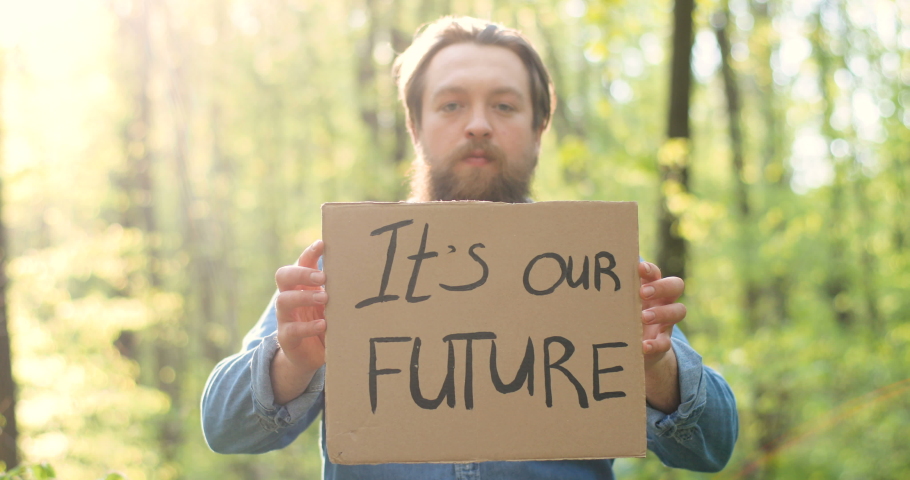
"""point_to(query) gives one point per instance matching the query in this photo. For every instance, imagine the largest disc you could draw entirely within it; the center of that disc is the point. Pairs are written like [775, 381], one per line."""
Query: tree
[9, 454]
[674, 155]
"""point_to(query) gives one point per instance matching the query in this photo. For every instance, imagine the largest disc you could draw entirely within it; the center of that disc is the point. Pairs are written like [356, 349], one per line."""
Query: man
[478, 99]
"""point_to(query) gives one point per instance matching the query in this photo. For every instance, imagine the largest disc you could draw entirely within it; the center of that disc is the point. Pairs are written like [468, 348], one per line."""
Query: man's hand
[659, 312]
[301, 324]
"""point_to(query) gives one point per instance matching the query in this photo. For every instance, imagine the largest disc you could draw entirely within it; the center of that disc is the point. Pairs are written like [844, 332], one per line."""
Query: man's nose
[479, 126]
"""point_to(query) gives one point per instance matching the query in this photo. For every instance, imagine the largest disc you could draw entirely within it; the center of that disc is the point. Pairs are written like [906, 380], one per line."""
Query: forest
[160, 159]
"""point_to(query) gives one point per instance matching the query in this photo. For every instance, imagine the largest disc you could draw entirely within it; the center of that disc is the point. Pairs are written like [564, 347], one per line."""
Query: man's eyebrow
[457, 90]
[509, 91]
[446, 90]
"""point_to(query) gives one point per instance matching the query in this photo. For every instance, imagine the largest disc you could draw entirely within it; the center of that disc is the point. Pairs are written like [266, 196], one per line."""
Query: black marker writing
[598, 395]
[385, 371]
[562, 274]
[565, 272]
[468, 361]
[483, 276]
[608, 270]
[569, 350]
[390, 257]
[582, 279]
[418, 258]
[447, 392]
[525, 371]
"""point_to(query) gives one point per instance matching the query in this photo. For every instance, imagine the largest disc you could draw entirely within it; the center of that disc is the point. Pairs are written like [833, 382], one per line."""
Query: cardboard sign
[474, 331]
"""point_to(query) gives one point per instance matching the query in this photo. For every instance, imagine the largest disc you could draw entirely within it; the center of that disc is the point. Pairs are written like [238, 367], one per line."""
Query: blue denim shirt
[239, 415]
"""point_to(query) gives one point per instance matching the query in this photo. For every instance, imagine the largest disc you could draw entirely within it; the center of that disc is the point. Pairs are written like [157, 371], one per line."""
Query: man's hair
[410, 67]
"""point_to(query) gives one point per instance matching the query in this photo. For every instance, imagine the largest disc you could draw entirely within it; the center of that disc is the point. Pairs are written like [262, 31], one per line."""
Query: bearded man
[478, 99]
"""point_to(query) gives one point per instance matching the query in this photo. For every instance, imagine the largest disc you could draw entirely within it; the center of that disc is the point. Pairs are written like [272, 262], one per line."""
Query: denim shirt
[239, 415]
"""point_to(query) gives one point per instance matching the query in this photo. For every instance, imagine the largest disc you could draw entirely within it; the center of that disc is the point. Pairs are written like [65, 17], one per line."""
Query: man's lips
[477, 158]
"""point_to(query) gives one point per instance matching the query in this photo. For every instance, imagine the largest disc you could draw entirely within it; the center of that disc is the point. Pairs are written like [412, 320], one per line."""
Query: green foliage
[43, 471]
[114, 476]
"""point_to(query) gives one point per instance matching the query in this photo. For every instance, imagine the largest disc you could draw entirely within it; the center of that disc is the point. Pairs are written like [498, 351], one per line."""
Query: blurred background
[162, 158]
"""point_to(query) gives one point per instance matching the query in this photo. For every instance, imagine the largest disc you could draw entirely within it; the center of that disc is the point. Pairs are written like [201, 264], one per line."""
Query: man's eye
[505, 107]
[450, 107]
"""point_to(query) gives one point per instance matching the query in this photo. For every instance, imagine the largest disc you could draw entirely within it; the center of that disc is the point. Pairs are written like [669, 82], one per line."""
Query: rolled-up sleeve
[239, 414]
[701, 433]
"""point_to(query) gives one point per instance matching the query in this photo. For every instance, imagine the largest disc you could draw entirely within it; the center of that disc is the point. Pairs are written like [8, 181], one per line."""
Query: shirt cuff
[692, 394]
[274, 417]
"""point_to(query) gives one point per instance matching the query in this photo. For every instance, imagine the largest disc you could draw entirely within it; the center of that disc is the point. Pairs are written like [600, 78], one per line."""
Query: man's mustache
[491, 152]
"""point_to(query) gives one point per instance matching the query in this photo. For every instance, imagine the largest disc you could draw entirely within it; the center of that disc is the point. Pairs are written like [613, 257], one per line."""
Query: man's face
[475, 140]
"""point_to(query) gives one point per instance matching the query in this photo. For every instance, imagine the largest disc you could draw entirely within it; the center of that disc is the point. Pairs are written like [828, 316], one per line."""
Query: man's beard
[500, 181]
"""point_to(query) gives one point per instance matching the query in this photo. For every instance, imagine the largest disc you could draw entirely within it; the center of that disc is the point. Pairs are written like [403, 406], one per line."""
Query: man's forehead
[463, 65]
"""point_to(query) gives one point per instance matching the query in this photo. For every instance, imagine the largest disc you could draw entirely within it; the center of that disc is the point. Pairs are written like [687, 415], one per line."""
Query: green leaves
[43, 471]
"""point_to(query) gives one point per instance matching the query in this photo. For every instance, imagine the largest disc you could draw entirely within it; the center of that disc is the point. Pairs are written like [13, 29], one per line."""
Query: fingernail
[648, 348]
[320, 297]
[647, 267]
[647, 316]
[647, 291]
[317, 277]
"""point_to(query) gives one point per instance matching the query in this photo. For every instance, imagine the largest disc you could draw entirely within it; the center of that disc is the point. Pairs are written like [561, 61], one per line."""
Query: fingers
[290, 300]
[292, 276]
[665, 314]
[648, 272]
[295, 323]
[659, 296]
[310, 256]
[656, 346]
[669, 288]
[305, 273]
[300, 308]
[296, 331]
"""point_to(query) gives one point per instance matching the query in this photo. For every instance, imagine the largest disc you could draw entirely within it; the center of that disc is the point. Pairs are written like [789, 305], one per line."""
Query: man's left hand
[659, 312]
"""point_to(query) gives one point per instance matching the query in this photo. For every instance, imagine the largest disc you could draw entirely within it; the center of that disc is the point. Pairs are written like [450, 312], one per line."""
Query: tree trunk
[9, 454]
[772, 294]
[563, 122]
[224, 272]
[868, 260]
[400, 41]
[674, 155]
[167, 357]
[136, 181]
[775, 173]
[366, 76]
[745, 259]
[837, 283]
[734, 118]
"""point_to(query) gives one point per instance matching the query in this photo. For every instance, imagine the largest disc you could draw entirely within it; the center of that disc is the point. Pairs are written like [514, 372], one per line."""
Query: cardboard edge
[466, 203]
[636, 306]
[339, 461]
[326, 389]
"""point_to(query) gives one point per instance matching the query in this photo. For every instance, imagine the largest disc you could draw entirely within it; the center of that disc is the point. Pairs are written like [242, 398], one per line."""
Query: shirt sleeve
[701, 433]
[239, 414]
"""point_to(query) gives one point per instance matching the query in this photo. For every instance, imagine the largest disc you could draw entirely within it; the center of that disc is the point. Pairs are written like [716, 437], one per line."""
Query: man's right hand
[301, 324]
